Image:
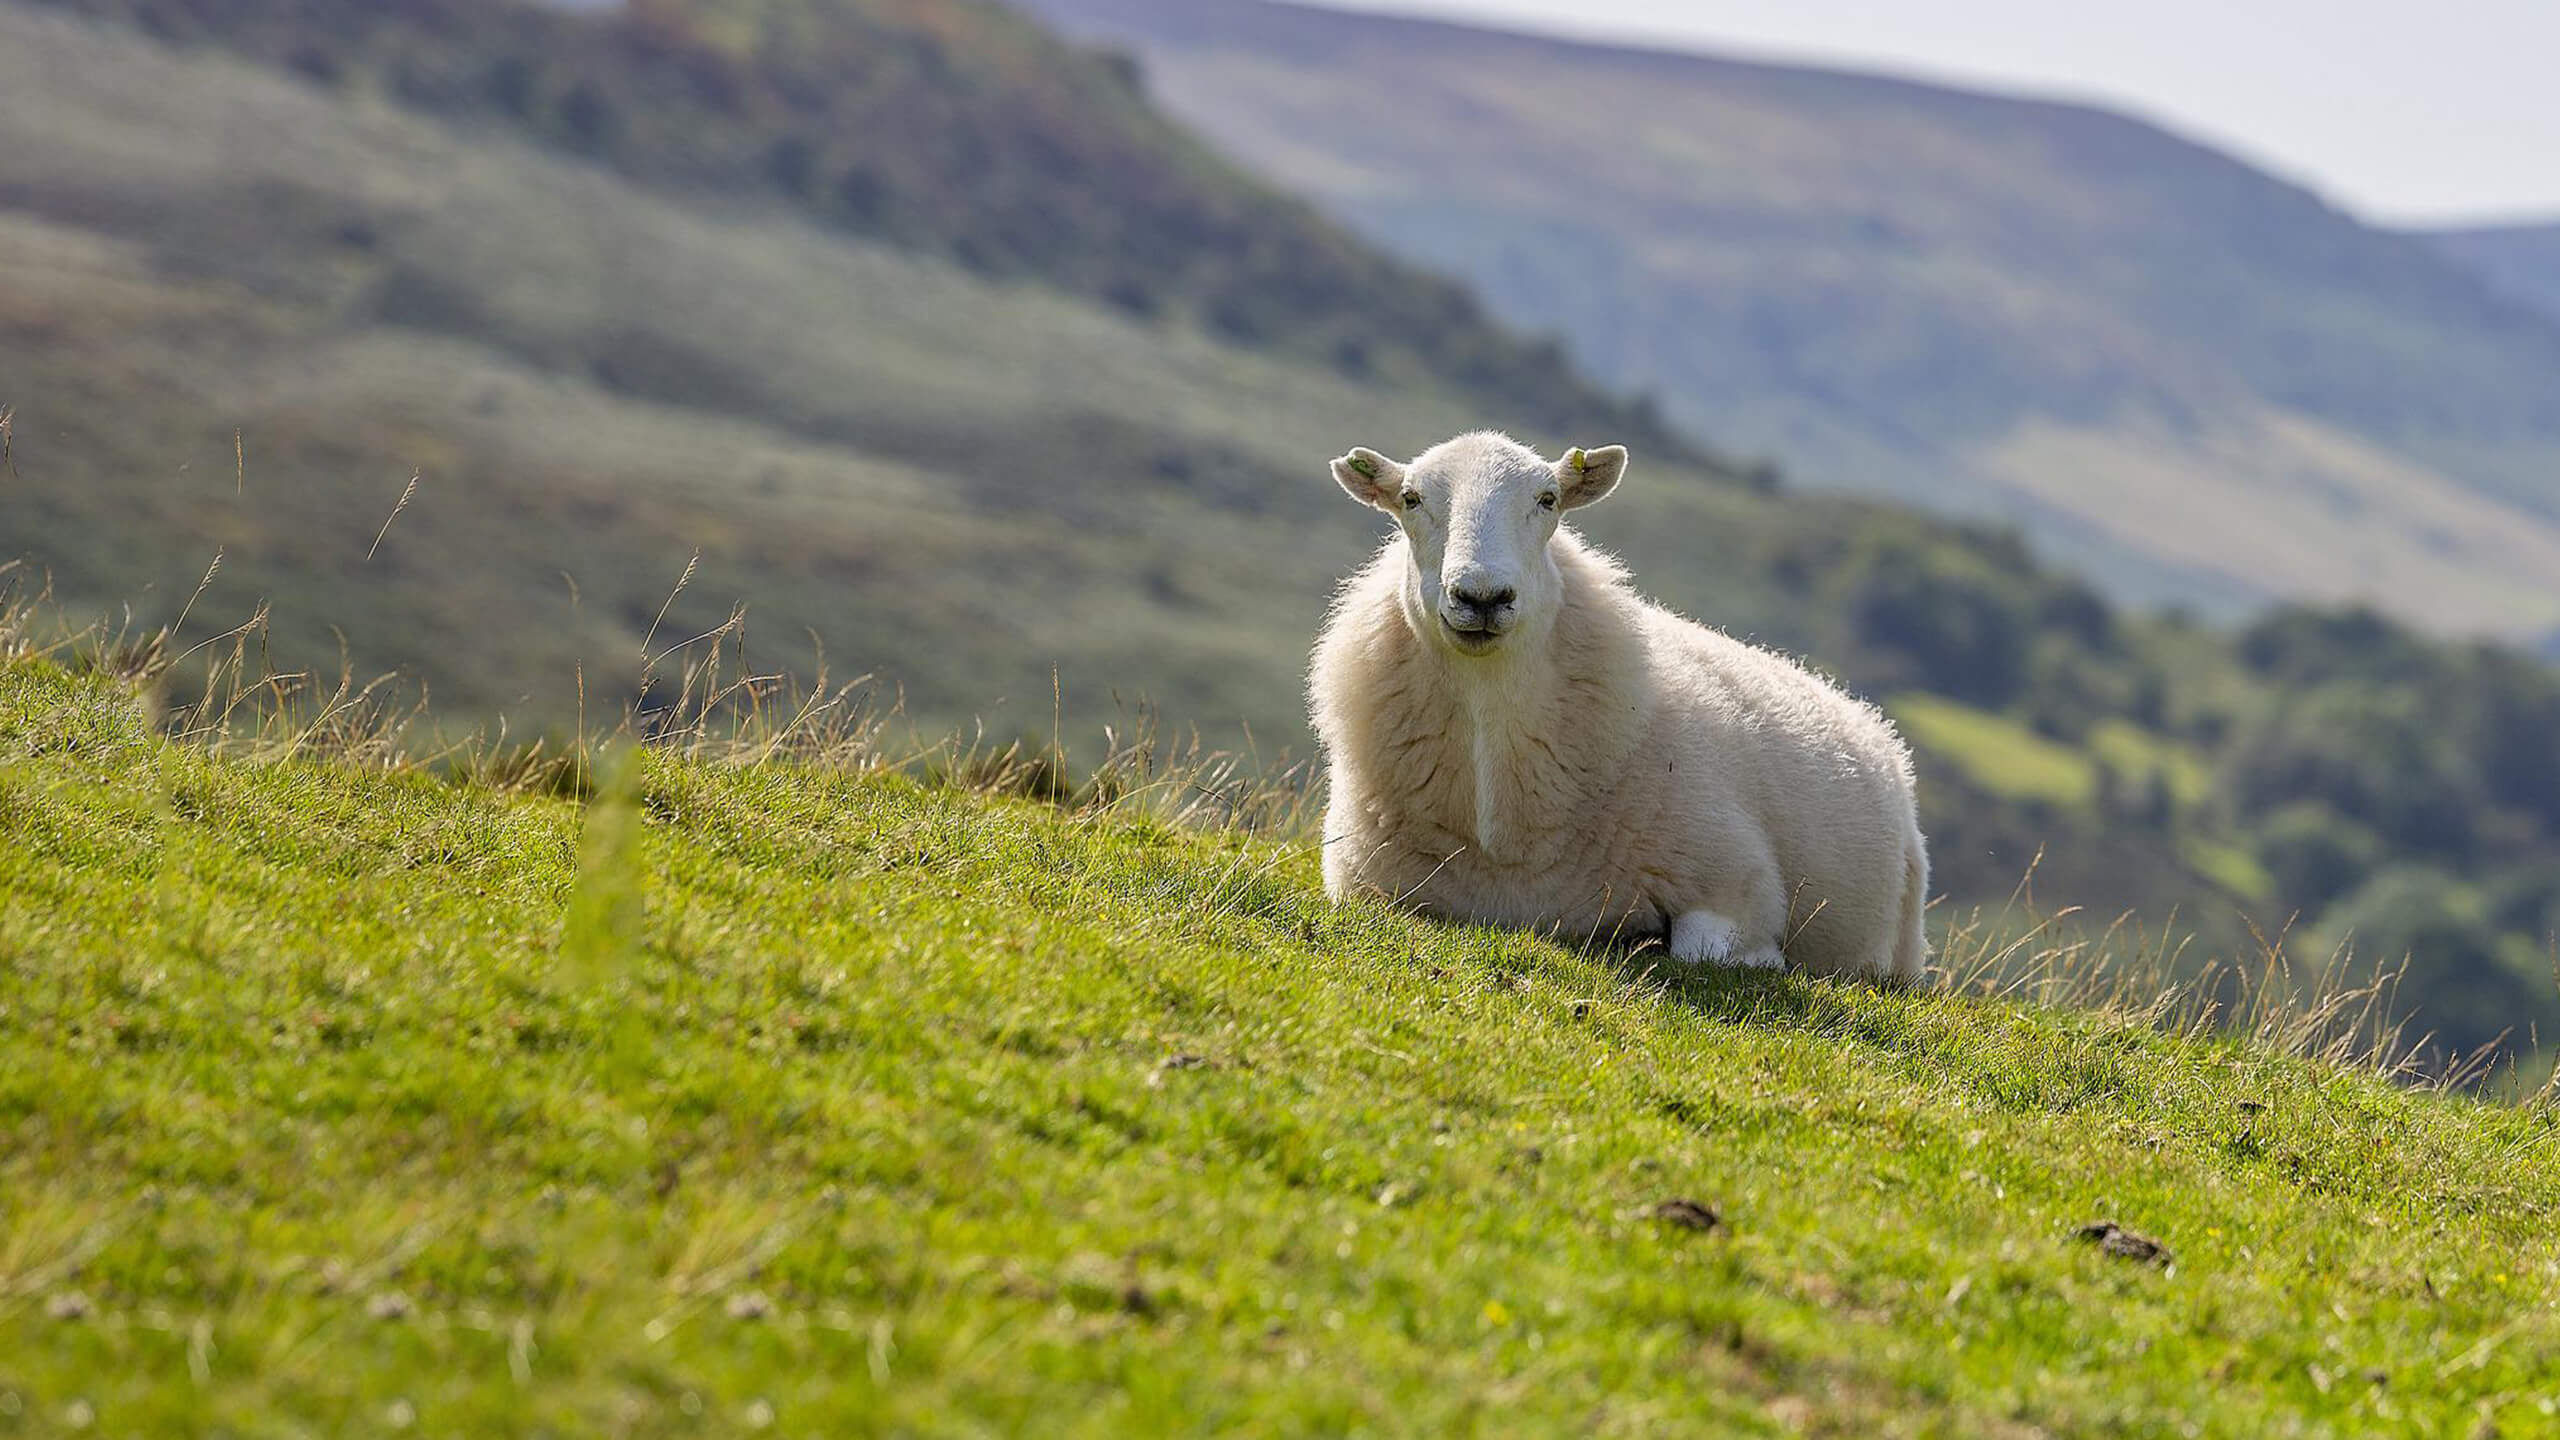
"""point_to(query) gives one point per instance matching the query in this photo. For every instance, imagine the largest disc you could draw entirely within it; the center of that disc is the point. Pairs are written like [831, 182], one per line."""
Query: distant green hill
[947, 127]
[913, 460]
[2043, 312]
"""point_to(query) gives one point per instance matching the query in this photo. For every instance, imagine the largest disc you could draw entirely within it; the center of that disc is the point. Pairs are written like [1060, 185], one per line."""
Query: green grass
[2230, 866]
[1998, 753]
[241, 312]
[335, 1099]
[2006, 758]
[2136, 755]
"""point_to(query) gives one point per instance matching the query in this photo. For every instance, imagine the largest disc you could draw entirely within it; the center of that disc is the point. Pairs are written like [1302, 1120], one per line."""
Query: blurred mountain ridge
[945, 127]
[2520, 261]
[2022, 308]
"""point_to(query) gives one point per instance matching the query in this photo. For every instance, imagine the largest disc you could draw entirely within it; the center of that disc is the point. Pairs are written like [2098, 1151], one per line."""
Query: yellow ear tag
[1580, 460]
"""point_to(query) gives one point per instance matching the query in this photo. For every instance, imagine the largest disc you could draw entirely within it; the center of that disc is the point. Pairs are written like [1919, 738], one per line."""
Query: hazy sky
[2397, 109]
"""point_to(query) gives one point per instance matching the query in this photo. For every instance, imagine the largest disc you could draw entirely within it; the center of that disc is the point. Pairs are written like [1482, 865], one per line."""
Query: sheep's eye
[1547, 501]
[1412, 499]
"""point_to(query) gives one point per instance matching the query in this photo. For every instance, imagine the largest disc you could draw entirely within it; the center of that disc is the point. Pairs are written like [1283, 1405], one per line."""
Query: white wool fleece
[1513, 736]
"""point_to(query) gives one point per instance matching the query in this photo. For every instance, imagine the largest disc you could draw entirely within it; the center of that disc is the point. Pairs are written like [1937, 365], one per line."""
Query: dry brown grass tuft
[2341, 1011]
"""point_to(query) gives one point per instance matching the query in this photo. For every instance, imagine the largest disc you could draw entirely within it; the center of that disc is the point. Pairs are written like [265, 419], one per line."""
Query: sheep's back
[1823, 772]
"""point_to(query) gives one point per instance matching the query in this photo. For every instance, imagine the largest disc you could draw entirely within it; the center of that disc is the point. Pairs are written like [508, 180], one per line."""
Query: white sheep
[1514, 737]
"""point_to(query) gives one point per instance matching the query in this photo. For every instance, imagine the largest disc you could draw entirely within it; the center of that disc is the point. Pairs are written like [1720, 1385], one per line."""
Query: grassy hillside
[978, 487]
[910, 458]
[963, 486]
[944, 127]
[2520, 261]
[1992, 305]
[798, 1094]
[596, 380]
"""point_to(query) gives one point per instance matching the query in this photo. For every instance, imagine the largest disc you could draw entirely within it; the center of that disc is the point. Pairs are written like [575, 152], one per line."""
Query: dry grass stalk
[407, 494]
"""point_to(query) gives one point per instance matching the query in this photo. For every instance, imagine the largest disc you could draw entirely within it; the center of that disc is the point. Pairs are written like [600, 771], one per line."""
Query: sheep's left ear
[1583, 476]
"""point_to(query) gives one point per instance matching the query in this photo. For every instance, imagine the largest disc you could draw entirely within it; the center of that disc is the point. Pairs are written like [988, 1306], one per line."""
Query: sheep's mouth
[1473, 641]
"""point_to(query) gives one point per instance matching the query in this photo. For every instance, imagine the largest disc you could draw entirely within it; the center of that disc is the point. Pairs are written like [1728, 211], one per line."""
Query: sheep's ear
[1583, 476]
[1372, 479]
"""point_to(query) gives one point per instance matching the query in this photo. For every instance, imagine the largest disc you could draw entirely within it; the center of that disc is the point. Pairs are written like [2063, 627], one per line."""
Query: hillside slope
[943, 127]
[805, 1098]
[912, 461]
[1018, 505]
[1989, 305]
[964, 486]
[2520, 261]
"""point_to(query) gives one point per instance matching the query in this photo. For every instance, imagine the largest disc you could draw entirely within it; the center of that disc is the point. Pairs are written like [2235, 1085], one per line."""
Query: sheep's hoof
[1703, 937]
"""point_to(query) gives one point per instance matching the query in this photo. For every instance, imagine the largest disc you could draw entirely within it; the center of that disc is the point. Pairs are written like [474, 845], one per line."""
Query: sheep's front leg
[1703, 937]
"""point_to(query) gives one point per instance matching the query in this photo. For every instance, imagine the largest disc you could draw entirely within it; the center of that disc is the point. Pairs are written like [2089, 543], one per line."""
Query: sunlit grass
[2136, 755]
[902, 1107]
[2230, 866]
[1998, 753]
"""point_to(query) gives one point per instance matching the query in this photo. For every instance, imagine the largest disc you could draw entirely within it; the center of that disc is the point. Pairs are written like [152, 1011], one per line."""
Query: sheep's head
[1478, 515]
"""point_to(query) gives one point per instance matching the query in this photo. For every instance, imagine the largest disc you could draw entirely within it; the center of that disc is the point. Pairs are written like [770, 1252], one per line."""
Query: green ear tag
[1580, 460]
[1366, 466]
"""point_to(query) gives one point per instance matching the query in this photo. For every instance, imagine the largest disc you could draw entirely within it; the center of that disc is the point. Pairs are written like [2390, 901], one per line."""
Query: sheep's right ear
[1372, 479]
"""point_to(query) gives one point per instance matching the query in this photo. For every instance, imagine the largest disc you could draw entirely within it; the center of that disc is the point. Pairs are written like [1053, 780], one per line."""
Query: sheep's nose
[1484, 598]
